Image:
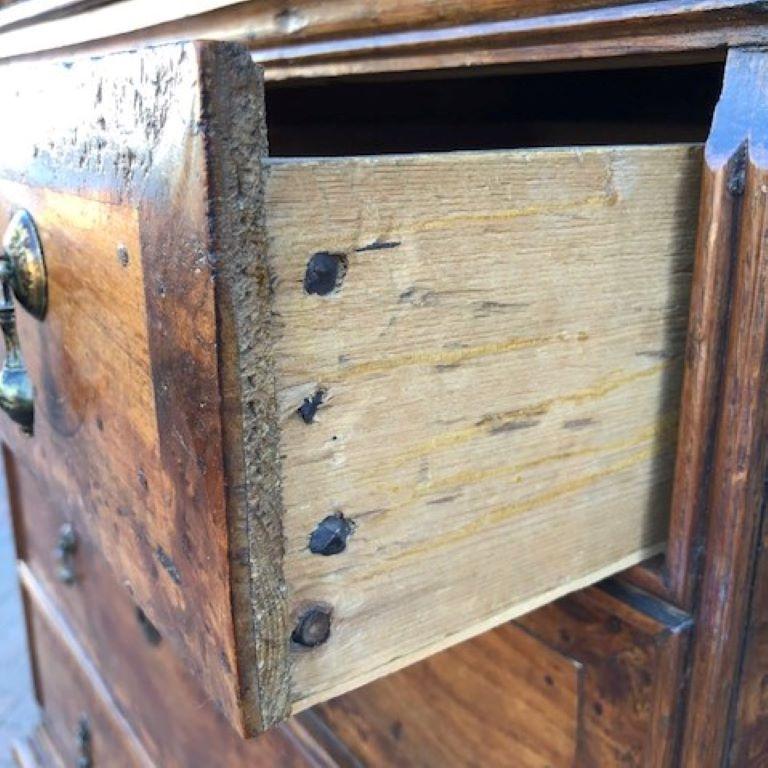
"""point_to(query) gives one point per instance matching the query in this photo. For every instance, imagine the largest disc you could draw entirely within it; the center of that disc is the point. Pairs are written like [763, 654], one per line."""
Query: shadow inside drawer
[609, 106]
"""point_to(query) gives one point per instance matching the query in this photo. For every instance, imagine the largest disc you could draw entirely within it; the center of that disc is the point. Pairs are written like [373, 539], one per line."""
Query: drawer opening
[643, 105]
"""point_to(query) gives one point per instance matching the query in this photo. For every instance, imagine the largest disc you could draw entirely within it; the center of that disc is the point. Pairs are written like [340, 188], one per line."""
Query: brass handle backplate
[23, 275]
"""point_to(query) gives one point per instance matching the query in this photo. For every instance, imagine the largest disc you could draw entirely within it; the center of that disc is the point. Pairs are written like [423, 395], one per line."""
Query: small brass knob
[66, 549]
[23, 275]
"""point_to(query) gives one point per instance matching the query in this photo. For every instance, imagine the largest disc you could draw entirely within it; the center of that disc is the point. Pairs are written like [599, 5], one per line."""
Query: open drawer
[324, 417]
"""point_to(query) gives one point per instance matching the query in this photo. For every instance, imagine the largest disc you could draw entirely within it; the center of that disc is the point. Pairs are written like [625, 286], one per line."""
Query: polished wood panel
[115, 159]
[498, 373]
[591, 680]
[736, 157]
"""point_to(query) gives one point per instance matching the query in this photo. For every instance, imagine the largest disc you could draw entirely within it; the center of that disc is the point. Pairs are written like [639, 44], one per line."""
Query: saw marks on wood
[493, 373]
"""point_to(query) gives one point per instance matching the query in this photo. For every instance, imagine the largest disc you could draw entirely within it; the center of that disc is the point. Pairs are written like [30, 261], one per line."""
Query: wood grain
[69, 690]
[632, 647]
[584, 681]
[497, 372]
[147, 683]
[736, 495]
[271, 21]
[504, 699]
[749, 744]
[114, 159]
[16, 13]
[233, 104]
[321, 39]
[500, 378]
[675, 578]
[593, 679]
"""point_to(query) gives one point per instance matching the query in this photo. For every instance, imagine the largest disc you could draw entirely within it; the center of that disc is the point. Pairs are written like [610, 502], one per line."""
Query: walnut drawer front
[78, 724]
[326, 417]
[143, 681]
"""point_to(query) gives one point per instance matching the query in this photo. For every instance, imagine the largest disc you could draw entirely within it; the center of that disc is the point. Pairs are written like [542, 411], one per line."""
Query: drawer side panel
[491, 382]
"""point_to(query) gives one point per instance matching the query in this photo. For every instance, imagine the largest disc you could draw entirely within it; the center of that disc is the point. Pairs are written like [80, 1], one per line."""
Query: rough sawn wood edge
[236, 142]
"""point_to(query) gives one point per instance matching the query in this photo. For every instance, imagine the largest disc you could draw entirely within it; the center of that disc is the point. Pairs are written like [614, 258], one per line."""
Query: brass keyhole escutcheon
[23, 275]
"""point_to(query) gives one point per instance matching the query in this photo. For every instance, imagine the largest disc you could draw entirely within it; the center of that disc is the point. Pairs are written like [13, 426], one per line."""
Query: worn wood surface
[69, 690]
[499, 371]
[148, 684]
[233, 104]
[632, 647]
[736, 156]
[310, 38]
[113, 159]
[641, 30]
[749, 745]
[16, 13]
[504, 699]
[591, 680]
[271, 21]
[426, 445]
[675, 577]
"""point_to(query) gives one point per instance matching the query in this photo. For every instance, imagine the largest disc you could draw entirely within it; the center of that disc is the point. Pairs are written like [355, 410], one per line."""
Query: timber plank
[499, 372]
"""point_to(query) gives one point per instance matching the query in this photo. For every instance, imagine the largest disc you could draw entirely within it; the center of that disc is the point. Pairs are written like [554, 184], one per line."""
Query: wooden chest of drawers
[308, 415]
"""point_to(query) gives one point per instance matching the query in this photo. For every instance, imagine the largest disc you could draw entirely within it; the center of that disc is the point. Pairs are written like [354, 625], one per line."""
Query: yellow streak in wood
[454, 356]
[500, 514]
[594, 201]
[612, 382]
[665, 428]
[483, 523]
[615, 380]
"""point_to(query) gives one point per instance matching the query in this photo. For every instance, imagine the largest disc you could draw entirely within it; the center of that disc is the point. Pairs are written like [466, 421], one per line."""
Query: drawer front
[325, 418]
[171, 715]
[78, 722]
[110, 161]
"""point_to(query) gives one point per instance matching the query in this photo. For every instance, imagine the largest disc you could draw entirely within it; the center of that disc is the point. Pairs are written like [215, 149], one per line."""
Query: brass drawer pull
[22, 273]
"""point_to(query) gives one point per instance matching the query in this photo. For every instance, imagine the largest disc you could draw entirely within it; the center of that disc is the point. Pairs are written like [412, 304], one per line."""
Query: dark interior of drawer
[493, 111]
